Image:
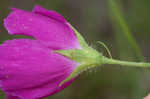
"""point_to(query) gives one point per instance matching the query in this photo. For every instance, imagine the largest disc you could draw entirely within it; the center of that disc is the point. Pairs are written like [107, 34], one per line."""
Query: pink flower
[30, 68]
[147, 97]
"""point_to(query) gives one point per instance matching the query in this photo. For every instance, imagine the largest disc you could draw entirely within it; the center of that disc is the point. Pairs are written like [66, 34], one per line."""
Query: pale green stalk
[125, 63]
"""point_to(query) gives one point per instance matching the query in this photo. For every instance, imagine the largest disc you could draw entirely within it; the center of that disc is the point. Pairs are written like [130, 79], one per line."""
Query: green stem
[125, 63]
[118, 17]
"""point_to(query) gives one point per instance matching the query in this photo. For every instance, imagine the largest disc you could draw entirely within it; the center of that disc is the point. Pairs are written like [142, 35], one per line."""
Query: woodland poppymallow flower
[42, 66]
[39, 67]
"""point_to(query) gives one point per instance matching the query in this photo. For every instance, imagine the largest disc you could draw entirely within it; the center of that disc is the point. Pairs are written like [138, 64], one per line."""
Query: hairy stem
[125, 63]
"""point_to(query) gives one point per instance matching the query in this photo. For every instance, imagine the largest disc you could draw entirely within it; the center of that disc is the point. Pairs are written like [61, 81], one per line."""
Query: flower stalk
[125, 63]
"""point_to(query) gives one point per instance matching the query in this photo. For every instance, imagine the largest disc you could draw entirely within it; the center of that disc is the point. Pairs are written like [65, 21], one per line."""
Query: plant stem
[125, 63]
[117, 16]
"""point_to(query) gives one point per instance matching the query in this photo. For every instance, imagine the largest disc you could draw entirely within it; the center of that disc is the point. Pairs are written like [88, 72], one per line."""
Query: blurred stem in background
[125, 39]
[120, 22]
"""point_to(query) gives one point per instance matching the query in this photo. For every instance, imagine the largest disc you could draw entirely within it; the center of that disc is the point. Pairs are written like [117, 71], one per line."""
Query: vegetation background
[96, 20]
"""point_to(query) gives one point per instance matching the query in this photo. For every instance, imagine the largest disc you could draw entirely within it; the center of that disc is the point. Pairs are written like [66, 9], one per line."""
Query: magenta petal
[55, 34]
[37, 92]
[49, 13]
[30, 70]
[9, 96]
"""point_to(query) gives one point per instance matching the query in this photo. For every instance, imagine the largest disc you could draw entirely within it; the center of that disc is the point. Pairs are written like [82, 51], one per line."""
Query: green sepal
[81, 68]
[80, 38]
[86, 58]
[88, 55]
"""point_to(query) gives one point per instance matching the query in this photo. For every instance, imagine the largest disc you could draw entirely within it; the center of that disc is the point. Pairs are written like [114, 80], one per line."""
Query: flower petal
[38, 92]
[47, 29]
[147, 97]
[9, 96]
[26, 66]
[49, 13]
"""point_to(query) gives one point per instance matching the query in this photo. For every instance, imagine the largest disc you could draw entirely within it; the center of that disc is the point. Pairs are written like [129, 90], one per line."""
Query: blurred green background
[95, 20]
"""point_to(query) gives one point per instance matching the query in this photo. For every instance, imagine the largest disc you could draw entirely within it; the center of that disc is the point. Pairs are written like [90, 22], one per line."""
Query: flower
[30, 68]
[147, 97]
[42, 66]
